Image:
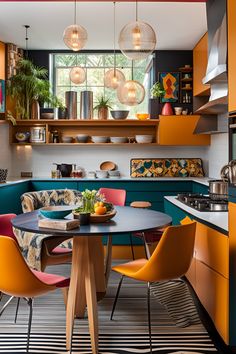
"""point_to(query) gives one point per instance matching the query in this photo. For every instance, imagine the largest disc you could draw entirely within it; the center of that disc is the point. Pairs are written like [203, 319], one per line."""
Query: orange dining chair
[18, 280]
[116, 197]
[170, 260]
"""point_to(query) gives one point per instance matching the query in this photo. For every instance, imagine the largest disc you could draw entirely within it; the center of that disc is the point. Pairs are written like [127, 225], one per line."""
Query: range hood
[216, 73]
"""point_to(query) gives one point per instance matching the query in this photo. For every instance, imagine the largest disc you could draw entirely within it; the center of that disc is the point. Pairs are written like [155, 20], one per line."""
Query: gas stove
[202, 202]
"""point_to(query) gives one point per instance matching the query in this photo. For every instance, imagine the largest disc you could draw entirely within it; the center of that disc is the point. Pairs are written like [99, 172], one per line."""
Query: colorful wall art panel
[2, 96]
[170, 82]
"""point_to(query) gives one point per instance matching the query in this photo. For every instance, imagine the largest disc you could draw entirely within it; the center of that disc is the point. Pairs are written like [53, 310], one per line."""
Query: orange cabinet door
[2, 61]
[200, 55]
[179, 130]
[232, 54]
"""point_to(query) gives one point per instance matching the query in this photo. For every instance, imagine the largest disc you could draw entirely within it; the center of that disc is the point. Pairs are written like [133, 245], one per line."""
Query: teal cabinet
[10, 194]
[176, 213]
[200, 188]
[47, 185]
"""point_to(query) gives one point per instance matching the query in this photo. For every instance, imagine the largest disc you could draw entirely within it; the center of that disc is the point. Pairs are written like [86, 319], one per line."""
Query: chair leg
[5, 305]
[149, 316]
[108, 258]
[116, 298]
[17, 308]
[72, 332]
[30, 303]
[131, 245]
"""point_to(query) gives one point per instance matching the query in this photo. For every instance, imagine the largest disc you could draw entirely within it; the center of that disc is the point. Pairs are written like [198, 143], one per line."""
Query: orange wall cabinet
[179, 130]
[209, 276]
[232, 54]
[200, 55]
[2, 61]
[232, 282]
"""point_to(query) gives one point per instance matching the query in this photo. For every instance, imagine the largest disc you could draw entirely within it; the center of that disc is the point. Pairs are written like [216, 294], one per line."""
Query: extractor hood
[216, 73]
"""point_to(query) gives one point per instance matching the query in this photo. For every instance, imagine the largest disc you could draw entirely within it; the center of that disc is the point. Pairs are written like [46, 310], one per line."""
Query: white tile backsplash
[218, 154]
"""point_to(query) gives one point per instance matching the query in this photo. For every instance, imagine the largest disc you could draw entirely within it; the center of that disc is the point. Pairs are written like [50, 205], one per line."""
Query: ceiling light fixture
[114, 77]
[77, 74]
[137, 40]
[75, 36]
[131, 93]
[26, 40]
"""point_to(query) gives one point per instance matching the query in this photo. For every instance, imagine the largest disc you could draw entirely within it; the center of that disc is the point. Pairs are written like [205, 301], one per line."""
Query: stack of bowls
[144, 139]
[81, 138]
[100, 139]
[114, 174]
[101, 174]
[67, 139]
[119, 139]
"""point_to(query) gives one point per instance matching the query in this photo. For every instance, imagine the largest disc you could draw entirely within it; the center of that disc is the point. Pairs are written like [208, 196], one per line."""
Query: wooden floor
[127, 333]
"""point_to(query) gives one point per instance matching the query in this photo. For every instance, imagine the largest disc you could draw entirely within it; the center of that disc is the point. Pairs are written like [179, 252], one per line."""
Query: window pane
[95, 77]
[122, 61]
[63, 78]
[65, 60]
[97, 92]
[95, 60]
[109, 60]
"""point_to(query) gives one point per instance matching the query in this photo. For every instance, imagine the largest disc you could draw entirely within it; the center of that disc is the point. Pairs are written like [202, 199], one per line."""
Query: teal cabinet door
[176, 213]
[47, 185]
[200, 188]
[10, 195]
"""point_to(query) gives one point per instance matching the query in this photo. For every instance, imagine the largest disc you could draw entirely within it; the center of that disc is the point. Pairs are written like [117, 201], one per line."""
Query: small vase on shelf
[167, 109]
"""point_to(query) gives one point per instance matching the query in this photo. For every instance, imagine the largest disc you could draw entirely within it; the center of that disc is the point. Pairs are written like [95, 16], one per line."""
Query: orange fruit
[100, 210]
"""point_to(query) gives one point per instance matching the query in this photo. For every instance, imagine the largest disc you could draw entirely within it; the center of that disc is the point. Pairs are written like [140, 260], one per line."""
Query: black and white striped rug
[127, 333]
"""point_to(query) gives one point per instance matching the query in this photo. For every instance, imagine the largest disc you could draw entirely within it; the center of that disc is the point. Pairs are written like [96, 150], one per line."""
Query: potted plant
[28, 87]
[157, 91]
[102, 107]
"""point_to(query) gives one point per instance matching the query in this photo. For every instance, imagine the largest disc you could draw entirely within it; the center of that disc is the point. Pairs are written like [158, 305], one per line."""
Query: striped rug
[127, 333]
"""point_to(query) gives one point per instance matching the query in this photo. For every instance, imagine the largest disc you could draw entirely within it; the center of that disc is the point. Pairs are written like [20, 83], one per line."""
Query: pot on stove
[218, 189]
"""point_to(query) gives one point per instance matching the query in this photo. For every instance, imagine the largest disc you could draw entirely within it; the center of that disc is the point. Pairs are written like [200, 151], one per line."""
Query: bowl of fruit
[103, 212]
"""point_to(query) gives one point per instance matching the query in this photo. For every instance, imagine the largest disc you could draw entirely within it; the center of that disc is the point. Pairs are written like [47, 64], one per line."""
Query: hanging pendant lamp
[137, 40]
[75, 36]
[114, 77]
[77, 74]
[131, 93]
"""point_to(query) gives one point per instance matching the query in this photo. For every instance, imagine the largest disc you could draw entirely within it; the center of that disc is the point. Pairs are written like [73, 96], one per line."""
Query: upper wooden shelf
[88, 122]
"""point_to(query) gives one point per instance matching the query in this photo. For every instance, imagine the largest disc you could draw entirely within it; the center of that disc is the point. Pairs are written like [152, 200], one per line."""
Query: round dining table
[87, 269]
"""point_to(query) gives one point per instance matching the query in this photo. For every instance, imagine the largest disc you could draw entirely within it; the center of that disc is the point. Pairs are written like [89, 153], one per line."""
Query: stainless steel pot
[218, 189]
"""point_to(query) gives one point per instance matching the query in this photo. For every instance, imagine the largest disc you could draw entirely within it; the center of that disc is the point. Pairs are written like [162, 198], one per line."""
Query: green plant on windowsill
[29, 86]
[102, 107]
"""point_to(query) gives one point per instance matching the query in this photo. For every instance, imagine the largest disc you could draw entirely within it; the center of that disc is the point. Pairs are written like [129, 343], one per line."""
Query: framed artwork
[2, 96]
[170, 82]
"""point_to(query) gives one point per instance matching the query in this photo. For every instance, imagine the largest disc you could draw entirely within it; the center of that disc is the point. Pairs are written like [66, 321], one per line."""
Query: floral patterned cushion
[30, 243]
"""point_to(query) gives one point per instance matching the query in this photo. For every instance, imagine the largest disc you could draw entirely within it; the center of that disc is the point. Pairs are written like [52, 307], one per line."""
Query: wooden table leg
[76, 279]
[91, 298]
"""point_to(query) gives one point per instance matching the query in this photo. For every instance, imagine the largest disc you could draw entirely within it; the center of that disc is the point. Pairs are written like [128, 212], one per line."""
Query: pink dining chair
[116, 197]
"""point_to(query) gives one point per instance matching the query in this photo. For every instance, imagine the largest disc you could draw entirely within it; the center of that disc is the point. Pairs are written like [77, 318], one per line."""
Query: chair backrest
[16, 278]
[173, 255]
[114, 196]
[31, 201]
[6, 226]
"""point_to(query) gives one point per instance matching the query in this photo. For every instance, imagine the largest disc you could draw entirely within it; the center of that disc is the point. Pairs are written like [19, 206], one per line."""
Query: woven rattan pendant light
[114, 77]
[75, 36]
[137, 40]
[77, 74]
[131, 92]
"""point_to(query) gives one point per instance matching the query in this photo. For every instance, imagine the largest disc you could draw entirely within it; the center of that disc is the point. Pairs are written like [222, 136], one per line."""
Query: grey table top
[127, 219]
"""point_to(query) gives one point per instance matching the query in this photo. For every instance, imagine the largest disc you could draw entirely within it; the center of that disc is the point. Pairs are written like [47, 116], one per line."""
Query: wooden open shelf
[168, 130]
[111, 128]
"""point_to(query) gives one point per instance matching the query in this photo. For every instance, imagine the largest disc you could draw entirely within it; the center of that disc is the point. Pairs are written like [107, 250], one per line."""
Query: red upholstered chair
[5, 225]
[116, 197]
[30, 283]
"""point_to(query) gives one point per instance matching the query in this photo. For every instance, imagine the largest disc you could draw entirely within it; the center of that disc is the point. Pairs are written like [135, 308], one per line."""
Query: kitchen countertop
[217, 219]
[16, 180]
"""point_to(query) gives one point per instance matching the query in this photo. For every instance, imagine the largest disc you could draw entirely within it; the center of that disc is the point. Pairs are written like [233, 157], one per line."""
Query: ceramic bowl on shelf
[119, 139]
[101, 174]
[56, 212]
[113, 174]
[118, 114]
[178, 110]
[107, 166]
[100, 139]
[144, 139]
[67, 139]
[22, 137]
[142, 116]
[47, 115]
[82, 138]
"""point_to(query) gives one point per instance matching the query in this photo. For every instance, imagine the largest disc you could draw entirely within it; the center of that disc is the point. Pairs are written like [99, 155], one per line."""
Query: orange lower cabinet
[212, 248]
[191, 274]
[213, 292]
[179, 130]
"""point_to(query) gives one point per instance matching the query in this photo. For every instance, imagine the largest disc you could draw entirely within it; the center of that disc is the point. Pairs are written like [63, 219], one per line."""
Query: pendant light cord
[26, 40]
[114, 36]
[75, 14]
